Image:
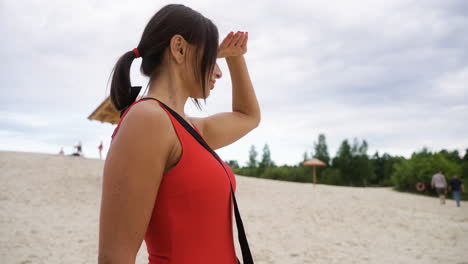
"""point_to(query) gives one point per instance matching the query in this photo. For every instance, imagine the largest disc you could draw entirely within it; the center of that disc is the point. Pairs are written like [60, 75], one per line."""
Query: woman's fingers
[227, 40]
[241, 40]
[234, 44]
[237, 37]
[246, 38]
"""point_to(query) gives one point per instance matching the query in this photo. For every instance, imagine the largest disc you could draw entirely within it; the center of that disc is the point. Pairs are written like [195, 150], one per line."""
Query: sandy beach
[49, 213]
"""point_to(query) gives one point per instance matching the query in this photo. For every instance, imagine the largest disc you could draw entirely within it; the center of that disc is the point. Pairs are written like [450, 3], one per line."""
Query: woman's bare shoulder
[145, 130]
[145, 115]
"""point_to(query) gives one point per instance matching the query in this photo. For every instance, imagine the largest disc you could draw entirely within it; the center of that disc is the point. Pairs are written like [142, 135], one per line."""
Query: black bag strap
[246, 254]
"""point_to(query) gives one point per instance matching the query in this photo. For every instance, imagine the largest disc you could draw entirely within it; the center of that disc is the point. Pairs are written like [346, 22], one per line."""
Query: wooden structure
[106, 112]
[314, 162]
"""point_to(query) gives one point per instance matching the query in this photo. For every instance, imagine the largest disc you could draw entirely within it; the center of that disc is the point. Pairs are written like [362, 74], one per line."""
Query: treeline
[422, 165]
[353, 166]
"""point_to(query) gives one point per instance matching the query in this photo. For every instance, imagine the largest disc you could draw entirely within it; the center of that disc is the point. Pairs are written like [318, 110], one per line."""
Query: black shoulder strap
[246, 255]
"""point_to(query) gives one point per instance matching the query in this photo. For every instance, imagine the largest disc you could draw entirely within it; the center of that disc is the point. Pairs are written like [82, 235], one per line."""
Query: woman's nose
[217, 72]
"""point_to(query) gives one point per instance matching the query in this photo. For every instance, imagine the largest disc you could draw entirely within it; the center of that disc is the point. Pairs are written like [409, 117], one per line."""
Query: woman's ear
[178, 48]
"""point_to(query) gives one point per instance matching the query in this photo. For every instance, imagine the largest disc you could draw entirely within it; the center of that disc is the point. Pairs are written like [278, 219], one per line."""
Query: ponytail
[122, 94]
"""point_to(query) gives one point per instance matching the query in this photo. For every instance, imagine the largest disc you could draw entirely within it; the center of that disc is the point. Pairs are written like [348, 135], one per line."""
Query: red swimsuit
[192, 216]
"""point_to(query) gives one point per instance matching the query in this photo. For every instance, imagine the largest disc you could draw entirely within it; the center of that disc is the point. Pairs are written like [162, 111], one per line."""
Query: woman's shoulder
[149, 111]
[146, 116]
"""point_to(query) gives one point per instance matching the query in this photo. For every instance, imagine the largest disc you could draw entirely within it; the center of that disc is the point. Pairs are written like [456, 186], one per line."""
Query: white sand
[49, 213]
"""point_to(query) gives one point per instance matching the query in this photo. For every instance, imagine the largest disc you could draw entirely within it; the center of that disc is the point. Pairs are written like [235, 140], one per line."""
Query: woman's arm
[132, 174]
[244, 99]
[223, 129]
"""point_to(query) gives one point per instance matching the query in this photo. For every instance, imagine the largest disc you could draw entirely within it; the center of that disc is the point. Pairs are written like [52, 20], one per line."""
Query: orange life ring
[420, 186]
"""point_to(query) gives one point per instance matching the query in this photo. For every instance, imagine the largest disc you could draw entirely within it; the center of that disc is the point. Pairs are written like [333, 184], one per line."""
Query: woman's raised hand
[234, 44]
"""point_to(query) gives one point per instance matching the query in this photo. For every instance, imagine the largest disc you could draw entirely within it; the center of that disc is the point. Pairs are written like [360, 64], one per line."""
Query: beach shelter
[314, 162]
[106, 112]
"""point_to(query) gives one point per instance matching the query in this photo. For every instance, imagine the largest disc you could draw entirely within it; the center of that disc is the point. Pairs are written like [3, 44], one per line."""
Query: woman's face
[191, 80]
[216, 74]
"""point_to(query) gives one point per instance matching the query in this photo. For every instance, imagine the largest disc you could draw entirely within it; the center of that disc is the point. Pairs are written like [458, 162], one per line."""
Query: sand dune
[49, 213]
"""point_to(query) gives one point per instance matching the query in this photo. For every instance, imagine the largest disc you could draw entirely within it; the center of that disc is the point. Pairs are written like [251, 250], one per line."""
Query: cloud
[393, 72]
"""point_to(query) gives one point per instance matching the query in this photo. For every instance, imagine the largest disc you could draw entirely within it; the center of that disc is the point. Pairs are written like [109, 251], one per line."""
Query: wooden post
[315, 178]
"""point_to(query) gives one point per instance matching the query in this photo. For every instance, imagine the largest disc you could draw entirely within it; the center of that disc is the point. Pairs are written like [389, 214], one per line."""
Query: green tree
[305, 157]
[451, 155]
[233, 164]
[332, 176]
[420, 168]
[342, 162]
[383, 168]
[252, 163]
[464, 166]
[321, 149]
[362, 172]
[321, 153]
[355, 167]
[266, 158]
[362, 150]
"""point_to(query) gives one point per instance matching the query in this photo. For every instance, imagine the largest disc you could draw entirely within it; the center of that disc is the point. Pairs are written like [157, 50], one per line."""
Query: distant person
[79, 150]
[61, 152]
[457, 188]
[440, 184]
[100, 150]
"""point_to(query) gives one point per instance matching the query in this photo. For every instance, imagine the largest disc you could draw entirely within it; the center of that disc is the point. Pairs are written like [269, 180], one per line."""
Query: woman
[160, 183]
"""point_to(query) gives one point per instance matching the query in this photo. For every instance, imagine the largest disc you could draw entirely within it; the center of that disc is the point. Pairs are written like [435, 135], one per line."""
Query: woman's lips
[212, 84]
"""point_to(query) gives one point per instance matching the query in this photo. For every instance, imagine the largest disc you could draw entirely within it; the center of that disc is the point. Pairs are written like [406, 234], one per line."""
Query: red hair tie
[137, 52]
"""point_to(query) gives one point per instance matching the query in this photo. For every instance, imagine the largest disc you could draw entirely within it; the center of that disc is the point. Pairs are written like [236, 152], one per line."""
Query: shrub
[420, 168]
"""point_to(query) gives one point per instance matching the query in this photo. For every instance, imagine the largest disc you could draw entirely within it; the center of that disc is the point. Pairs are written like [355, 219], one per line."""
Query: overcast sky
[394, 73]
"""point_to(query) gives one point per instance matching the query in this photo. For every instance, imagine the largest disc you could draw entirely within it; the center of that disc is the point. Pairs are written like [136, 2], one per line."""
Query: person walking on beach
[79, 149]
[162, 181]
[440, 184]
[457, 188]
[100, 150]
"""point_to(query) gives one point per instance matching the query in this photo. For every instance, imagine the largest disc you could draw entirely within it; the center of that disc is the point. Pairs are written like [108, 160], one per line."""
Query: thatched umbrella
[314, 162]
[106, 112]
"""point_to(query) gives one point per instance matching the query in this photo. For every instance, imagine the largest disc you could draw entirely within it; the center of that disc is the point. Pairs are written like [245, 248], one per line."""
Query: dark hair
[168, 21]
